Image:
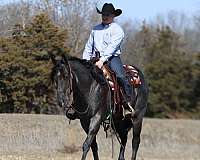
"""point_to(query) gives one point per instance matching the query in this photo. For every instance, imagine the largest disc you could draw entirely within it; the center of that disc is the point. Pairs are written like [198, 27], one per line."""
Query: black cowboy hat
[109, 9]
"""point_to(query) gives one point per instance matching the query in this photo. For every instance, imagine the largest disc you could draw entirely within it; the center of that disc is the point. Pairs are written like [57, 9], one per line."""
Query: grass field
[48, 137]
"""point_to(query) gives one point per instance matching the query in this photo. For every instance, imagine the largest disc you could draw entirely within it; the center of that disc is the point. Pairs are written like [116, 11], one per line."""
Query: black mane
[86, 63]
[96, 73]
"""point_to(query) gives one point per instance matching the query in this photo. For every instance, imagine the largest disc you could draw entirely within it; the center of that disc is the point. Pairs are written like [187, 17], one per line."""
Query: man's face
[107, 19]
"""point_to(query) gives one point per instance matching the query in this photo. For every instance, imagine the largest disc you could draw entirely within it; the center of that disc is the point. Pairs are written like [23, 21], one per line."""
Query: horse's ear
[52, 56]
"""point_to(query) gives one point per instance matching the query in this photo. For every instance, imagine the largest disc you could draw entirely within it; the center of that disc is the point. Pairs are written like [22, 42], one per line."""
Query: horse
[81, 86]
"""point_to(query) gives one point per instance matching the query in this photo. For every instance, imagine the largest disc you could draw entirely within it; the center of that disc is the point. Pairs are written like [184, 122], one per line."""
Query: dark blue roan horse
[81, 85]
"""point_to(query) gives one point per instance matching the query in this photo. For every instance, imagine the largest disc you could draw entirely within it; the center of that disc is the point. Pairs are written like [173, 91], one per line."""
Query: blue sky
[148, 9]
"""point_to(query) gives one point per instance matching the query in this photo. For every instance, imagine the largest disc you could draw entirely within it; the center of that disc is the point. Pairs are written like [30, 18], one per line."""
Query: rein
[70, 86]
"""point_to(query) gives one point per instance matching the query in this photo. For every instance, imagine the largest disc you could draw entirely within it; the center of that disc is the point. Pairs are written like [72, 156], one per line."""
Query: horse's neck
[82, 76]
[82, 83]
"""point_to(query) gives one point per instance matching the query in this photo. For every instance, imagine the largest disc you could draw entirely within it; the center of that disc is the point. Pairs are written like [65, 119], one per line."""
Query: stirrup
[128, 112]
[131, 108]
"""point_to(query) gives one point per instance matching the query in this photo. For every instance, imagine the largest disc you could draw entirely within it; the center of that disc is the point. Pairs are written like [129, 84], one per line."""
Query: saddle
[116, 90]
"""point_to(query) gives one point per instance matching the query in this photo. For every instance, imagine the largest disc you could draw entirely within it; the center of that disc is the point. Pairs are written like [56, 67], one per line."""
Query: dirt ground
[47, 137]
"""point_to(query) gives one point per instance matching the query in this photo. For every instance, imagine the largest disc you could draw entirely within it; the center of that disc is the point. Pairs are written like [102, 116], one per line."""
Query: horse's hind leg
[136, 138]
[95, 149]
[123, 136]
[90, 140]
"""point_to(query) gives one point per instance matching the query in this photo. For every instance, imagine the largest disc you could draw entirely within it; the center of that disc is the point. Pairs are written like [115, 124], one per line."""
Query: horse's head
[61, 77]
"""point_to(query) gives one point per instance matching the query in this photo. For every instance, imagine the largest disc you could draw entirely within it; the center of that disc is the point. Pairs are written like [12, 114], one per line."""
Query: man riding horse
[105, 42]
[82, 90]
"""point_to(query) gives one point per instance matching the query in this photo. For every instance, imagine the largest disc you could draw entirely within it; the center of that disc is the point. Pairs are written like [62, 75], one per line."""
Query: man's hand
[99, 64]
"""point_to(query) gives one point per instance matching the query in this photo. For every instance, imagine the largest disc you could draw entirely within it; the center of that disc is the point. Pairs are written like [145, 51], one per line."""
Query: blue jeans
[116, 65]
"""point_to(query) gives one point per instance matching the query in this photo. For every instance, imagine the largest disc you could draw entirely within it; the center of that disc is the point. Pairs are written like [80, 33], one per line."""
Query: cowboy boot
[128, 111]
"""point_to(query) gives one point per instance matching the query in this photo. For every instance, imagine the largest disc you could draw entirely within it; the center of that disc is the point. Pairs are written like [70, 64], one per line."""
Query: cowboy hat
[109, 9]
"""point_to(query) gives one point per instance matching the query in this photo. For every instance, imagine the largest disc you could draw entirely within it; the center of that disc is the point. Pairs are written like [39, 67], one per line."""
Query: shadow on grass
[70, 149]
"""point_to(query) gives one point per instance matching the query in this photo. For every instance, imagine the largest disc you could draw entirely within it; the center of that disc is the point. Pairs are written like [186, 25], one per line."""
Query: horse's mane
[86, 63]
[96, 73]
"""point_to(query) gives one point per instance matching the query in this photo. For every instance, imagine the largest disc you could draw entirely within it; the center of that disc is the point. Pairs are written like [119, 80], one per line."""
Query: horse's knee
[85, 147]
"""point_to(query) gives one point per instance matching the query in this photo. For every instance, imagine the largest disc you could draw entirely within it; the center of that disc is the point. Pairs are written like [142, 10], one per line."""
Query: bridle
[70, 93]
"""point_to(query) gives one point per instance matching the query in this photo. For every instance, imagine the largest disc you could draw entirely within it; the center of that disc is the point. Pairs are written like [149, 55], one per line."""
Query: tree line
[168, 56]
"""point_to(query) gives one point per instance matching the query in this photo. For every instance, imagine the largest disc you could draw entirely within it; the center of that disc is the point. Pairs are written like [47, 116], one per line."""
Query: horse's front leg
[136, 138]
[85, 125]
[89, 142]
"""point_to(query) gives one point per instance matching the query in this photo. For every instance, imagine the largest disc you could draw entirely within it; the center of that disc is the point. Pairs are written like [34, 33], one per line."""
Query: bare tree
[76, 16]
[14, 13]
[138, 38]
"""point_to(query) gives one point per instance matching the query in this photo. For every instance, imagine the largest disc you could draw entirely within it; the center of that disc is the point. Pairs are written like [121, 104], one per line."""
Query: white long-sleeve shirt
[106, 39]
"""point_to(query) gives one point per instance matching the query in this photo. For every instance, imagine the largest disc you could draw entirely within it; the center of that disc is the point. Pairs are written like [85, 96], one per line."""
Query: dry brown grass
[45, 137]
